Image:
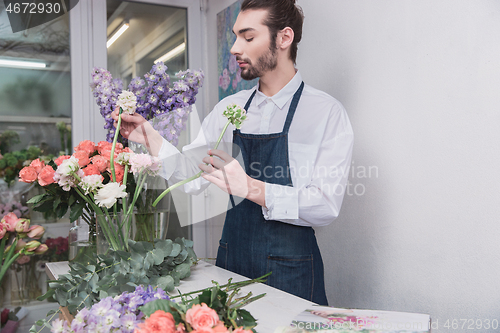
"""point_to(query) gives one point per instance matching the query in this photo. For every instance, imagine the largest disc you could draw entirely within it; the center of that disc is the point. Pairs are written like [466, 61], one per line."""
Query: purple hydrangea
[156, 98]
[118, 314]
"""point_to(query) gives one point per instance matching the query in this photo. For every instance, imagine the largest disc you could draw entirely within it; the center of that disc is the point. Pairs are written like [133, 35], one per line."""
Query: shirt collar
[284, 95]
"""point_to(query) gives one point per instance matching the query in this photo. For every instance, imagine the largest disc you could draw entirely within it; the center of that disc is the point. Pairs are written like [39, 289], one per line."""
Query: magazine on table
[327, 319]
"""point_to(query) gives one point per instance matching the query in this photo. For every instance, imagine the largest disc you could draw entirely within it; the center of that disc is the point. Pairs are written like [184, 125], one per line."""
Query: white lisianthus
[144, 162]
[123, 158]
[68, 166]
[109, 193]
[91, 183]
[127, 101]
[67, 182]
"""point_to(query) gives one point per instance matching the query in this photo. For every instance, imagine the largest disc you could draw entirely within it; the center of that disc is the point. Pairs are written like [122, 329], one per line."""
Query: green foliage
[163, 264]
[12, 163]
[223, 299]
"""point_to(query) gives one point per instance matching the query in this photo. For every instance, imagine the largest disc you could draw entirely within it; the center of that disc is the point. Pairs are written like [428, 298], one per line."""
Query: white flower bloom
[144, 162]
[123, 158]
[91, 183]
[68, 166]
[67, 182]
[109, 193]
[127, 101]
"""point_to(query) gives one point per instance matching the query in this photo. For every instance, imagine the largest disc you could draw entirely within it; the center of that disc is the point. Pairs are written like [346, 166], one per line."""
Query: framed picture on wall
[228, 71]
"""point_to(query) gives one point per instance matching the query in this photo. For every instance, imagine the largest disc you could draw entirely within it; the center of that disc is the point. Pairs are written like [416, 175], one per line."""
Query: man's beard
[266, 62]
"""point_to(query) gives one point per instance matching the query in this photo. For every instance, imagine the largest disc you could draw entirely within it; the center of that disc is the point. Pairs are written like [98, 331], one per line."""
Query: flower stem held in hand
[235, 115]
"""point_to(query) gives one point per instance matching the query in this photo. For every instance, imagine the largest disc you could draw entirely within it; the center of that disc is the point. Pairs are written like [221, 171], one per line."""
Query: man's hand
[136, 128]
[229, 176]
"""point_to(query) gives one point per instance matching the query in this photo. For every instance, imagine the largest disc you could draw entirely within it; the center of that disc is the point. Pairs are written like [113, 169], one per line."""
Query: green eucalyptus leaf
[176, 249]
[166, 283]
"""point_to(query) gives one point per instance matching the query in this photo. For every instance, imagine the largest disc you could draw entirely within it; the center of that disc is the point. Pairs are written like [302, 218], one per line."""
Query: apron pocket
[292, 273]
[221, 260]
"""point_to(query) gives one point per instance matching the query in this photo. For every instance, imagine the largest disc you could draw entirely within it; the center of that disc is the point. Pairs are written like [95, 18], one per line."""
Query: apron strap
[293, 107]
[250, 101]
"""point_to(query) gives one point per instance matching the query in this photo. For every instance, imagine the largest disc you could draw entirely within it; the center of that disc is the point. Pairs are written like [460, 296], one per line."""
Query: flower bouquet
[151, 310]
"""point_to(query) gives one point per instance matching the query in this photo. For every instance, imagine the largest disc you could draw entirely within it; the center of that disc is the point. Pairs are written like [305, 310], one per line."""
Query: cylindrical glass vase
[113, 231]
[82, 240]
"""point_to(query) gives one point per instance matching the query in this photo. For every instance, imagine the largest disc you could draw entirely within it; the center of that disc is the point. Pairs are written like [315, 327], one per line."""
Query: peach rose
[37, 165]
[119, 172]
[28, 174]
[201, 316]
[91, 169]
[9, 221]
[103, 144]
[203, 330]
[101, 163]
[220, 328]
[83, 158]
[87, 146]
[61, 158]
[127, 150]
[158, 322]
[46, 176]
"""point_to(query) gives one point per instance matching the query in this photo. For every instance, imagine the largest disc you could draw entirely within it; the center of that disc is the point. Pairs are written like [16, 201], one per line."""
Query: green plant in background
[65, 136]
[12, 163]
[7, 139]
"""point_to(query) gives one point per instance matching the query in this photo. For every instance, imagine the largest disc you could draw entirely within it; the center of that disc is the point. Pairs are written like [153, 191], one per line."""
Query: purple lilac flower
[155, 97]
[118, 314]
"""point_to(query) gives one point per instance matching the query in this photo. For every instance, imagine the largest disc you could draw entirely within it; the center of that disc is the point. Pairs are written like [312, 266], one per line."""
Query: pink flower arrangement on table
[94, 177]
[13, 247]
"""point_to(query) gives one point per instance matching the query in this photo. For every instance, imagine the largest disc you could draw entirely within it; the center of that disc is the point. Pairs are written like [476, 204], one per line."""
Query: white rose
[127, 101]
[109, 193]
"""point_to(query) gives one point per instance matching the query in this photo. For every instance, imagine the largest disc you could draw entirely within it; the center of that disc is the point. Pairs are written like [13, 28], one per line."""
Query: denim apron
[252, 246]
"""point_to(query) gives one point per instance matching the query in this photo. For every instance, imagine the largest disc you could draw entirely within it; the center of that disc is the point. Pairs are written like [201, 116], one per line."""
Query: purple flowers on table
[166, 106]
[118, 314]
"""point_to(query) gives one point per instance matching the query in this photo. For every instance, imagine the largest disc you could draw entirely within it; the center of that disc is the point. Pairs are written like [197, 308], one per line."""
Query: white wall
[420, 80]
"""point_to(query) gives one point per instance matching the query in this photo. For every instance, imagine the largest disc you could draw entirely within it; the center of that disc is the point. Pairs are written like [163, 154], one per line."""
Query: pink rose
[22, 225]
[201, 316]
[87, 146]
[37, 165]
[10, 221]
[28, 174]
[36, 231]
[83, 158]
[60, 159]
[46, 176]
[158, 322]
[101, 163]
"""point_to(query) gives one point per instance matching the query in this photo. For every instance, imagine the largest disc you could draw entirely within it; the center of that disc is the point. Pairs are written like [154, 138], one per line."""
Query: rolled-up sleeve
[319, 182]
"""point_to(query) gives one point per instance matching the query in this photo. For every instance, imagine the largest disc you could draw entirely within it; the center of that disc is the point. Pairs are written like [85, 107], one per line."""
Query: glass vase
[150, 226]
[113, 231]
[83, 240]
[25, 282]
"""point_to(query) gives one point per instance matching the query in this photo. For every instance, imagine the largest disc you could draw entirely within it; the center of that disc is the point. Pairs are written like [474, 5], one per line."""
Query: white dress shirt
[320, 144]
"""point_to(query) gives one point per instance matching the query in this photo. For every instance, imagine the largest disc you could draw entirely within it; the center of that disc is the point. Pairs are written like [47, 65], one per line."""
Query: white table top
[277, 308]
